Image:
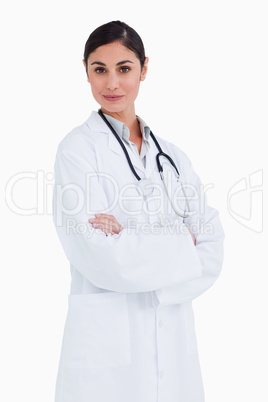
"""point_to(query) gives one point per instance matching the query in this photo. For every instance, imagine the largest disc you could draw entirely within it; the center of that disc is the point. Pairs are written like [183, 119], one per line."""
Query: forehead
[112, 53]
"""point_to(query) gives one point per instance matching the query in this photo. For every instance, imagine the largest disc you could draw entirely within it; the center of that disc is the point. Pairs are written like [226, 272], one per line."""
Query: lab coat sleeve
[128, 262]
[207, 229]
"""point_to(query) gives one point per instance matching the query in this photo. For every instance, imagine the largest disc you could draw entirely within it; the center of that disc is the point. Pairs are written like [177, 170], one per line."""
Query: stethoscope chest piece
[145, 187]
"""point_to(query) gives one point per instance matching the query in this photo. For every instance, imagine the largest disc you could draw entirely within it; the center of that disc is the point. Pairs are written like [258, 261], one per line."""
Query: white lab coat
[129, 333]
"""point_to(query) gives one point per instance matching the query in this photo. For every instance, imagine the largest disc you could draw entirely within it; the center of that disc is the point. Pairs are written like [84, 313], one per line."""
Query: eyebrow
[118, 64]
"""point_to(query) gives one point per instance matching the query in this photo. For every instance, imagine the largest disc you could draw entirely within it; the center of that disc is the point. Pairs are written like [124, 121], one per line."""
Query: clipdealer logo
[45, 197]
[244, 198]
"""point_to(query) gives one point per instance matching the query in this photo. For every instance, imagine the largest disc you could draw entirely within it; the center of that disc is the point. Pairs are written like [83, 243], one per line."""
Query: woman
[139, 253]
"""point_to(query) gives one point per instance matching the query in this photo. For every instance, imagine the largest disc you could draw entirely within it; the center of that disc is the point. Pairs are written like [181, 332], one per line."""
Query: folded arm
[127, 262]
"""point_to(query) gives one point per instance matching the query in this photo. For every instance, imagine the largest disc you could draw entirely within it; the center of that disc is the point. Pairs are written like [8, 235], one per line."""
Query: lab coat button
[161, 374]
[160, 323]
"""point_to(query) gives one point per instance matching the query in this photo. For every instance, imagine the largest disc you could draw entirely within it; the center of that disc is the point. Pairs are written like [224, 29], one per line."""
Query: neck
[128, 117]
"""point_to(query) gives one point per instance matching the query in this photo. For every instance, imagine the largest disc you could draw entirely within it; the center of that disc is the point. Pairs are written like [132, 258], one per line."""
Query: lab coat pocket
[189, 326]
[96, 331]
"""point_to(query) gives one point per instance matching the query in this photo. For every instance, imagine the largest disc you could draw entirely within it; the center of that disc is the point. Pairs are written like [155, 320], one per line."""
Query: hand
[107, 223]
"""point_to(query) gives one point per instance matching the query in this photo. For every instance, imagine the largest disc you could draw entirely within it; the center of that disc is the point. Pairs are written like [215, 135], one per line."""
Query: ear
[144, 69]
[86, 69]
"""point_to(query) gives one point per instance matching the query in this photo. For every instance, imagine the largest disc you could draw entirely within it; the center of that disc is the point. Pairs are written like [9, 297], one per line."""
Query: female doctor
[141, 245]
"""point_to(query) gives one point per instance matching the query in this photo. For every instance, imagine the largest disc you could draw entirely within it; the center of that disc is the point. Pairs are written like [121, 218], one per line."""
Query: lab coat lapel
[143, 172]
[96, 123]
[151, 166]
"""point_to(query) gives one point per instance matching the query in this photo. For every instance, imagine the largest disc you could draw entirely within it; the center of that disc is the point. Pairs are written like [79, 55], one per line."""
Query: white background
[206, 91]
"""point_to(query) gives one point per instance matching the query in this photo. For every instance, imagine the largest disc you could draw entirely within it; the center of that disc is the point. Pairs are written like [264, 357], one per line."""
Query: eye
[124, 69]
[100, 70]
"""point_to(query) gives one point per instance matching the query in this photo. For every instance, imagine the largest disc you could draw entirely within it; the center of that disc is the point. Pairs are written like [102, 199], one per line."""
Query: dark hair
[115, 31]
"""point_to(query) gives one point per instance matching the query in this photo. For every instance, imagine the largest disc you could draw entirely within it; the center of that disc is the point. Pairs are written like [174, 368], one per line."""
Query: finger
[103, 220]
[105, 216]
[110, 228]
[104, 227]
[110, 225]
[106, 221]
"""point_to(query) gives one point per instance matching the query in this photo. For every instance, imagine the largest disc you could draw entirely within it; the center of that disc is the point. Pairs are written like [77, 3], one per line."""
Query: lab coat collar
[123, 131]
[96, 124]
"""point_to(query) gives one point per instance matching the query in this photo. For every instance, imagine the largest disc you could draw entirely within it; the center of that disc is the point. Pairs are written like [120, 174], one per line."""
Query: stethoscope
[145, 185]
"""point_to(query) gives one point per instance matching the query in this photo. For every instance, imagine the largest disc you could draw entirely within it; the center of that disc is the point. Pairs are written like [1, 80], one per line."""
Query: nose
[112, 81]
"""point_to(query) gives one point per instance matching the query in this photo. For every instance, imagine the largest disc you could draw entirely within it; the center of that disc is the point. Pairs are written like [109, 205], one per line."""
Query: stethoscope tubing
[121, 143]
[159, 166]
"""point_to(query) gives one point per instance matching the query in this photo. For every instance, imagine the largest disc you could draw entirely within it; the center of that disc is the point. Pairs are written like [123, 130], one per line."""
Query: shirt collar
[123, 131]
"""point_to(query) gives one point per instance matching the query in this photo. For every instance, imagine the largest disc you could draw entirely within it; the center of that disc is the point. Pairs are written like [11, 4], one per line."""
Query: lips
[113, 98]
